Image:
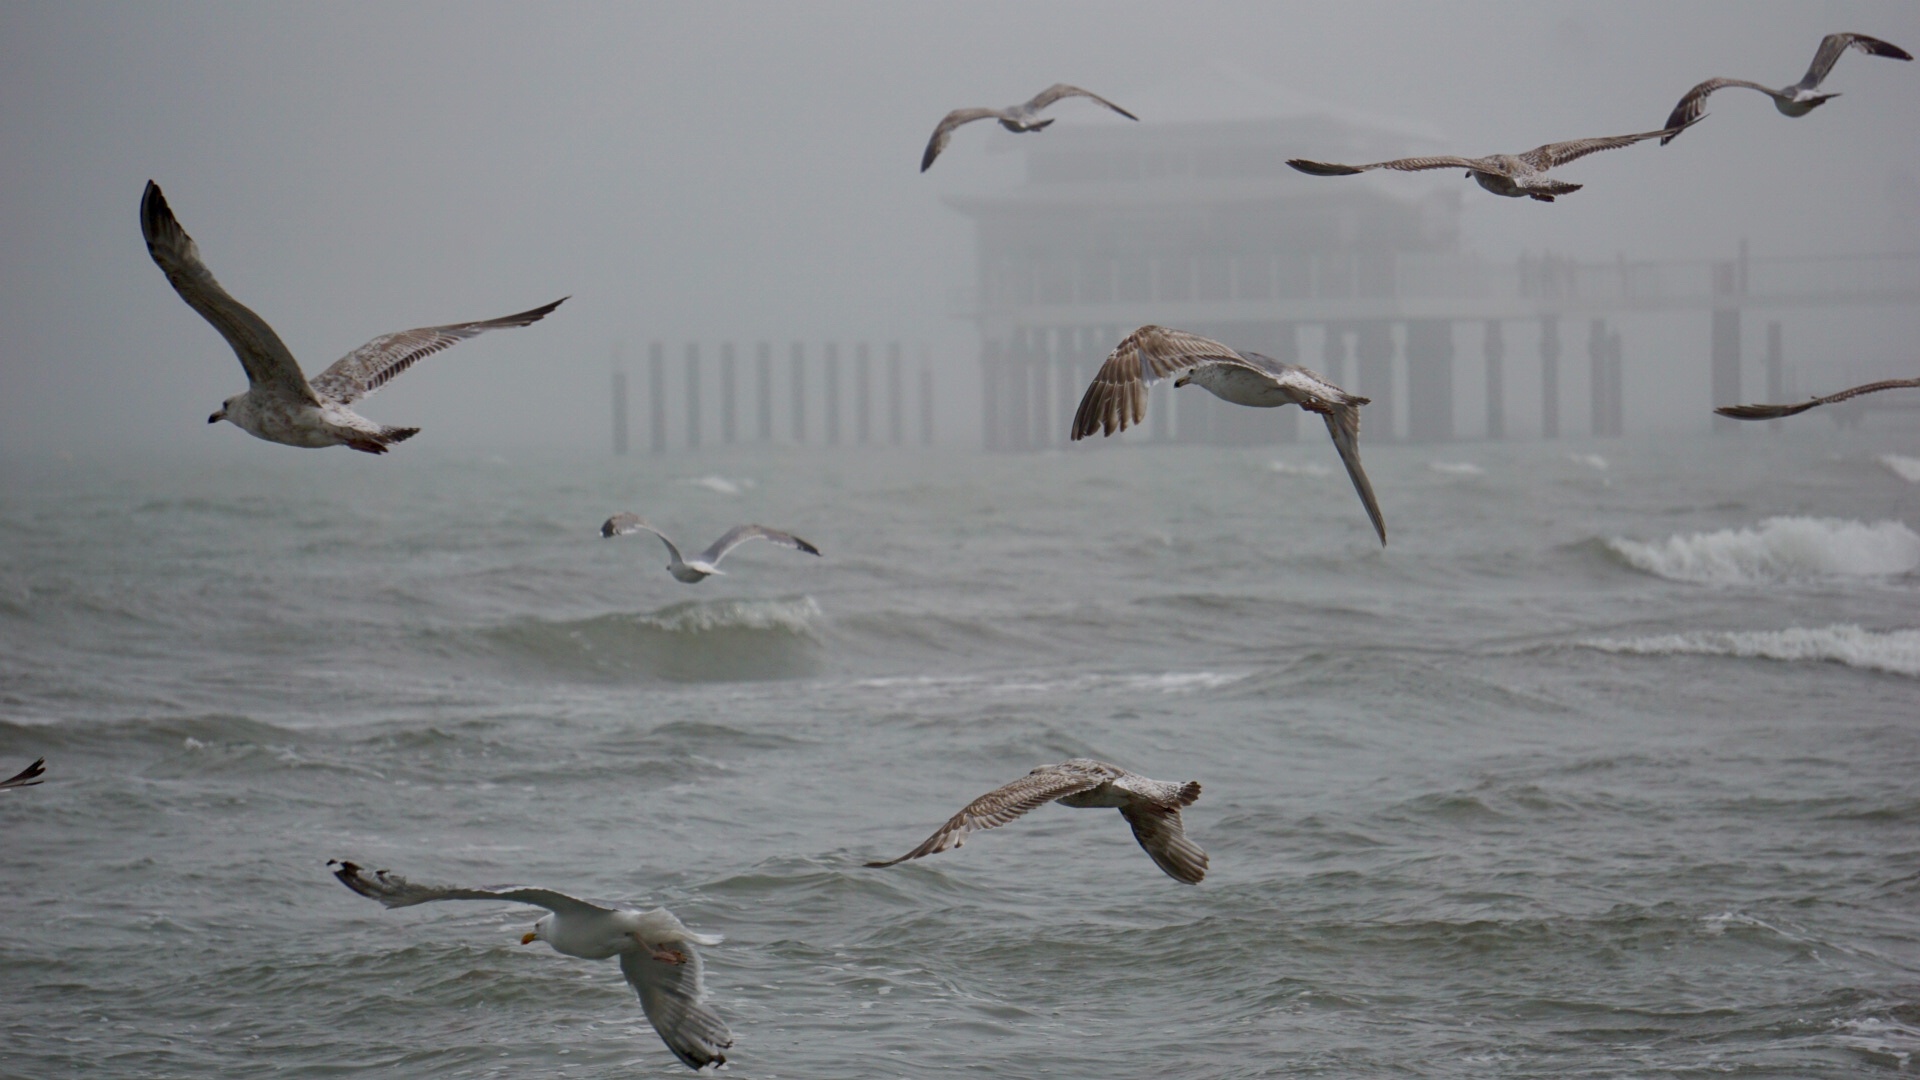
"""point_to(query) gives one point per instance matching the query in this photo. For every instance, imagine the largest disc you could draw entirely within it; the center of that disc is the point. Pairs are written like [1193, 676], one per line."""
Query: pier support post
[1430, 380]
[992, 358]
[799, 367]
[763, 389]
[862, 394]
[657, 398]
[832, 365]
[693, 396]
[1496, 381]
[895, 434]
[1550, 376]
[1776, 372]
[729, 388]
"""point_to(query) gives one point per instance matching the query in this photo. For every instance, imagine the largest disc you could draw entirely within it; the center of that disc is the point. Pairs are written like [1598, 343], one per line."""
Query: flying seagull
[1774, 412]
[656, 952]
[707, 564]
[1152, 807]
[26, 777]
[280, 404]
[1118, 394]
[1513, 175]
[1797, 100]
[1015, 118]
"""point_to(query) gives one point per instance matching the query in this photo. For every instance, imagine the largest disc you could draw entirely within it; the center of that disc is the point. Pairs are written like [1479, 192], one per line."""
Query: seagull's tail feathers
[398, 434]
[1343, 424]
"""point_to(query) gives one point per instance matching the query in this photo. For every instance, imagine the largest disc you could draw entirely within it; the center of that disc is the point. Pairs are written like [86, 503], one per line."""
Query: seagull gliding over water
[1015, 118]
[656, 951]
[1797, 100]
[1513, 175]
[1152, 807]
[707, 564]
[280, 405]
[1118, 394]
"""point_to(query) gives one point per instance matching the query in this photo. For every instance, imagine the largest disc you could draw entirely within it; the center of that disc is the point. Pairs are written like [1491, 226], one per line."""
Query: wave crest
[1782, 548]
[692, 641]
[1894, 651]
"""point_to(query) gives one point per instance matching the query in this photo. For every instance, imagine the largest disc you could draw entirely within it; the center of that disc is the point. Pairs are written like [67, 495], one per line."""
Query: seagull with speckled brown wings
[1015, 118]
[1516, 176]
[1797, 100]
[1152, 807]
[280, 404]
[1118, 393]
[1774, 412]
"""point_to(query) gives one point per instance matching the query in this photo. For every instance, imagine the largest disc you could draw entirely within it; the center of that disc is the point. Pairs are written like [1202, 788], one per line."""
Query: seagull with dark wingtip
[280, 404]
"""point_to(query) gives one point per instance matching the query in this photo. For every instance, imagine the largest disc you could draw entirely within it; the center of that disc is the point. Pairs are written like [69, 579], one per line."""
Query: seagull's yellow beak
[529, 938]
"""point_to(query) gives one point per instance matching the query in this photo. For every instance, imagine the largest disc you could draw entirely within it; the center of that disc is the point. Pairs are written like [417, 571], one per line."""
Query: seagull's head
[1183, 380]
[539, 931]
[225, 407]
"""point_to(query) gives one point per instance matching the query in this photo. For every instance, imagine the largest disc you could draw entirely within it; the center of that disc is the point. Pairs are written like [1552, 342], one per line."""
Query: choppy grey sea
[1609, 766]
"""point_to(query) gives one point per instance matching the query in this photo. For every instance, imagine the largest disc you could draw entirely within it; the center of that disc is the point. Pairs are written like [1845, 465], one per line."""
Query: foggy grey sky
[744, 171]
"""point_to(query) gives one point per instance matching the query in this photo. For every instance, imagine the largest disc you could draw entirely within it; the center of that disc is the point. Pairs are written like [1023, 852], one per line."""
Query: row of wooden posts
[801, 388]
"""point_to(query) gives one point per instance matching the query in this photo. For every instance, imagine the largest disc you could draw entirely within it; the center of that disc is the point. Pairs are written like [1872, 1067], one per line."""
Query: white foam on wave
[1169, 682]
[1906, 468]
[1591, 461]
[793, 616]
[1893, 651]
[724, 485]
[1781, 549]
[1288, 468]
[1456, 468]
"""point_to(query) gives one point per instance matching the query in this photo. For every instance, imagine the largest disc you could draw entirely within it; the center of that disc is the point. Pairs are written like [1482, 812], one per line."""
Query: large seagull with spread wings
[1015, 118]
[1118, 393]
[656, 951]
[1516, 176]
[281, 405]
[1152, 807]
[1797, 100]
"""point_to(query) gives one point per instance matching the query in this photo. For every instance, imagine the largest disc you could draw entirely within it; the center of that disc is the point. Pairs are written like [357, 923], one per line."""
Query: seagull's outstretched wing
[1774, 412]
[740, 534]
[1165, 841]
[1833, 45]
[672, 997]
[1117, 396]
[26, 777]
[626, 524]
[1693, 104]
[943, 132]
[371, 366]
[1341, 410]
[1559, 153]
[1343, 424]
[1061, 90]
[395, 891]
[1004, 804]
[1410, 164]
[265, 357]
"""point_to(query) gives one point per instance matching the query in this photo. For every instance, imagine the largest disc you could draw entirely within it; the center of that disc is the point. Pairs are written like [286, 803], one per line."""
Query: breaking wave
[1288, 468]
[1782, 548]
[1894, 651]
[1905, 468]
[1456, 468]
[693, 641]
